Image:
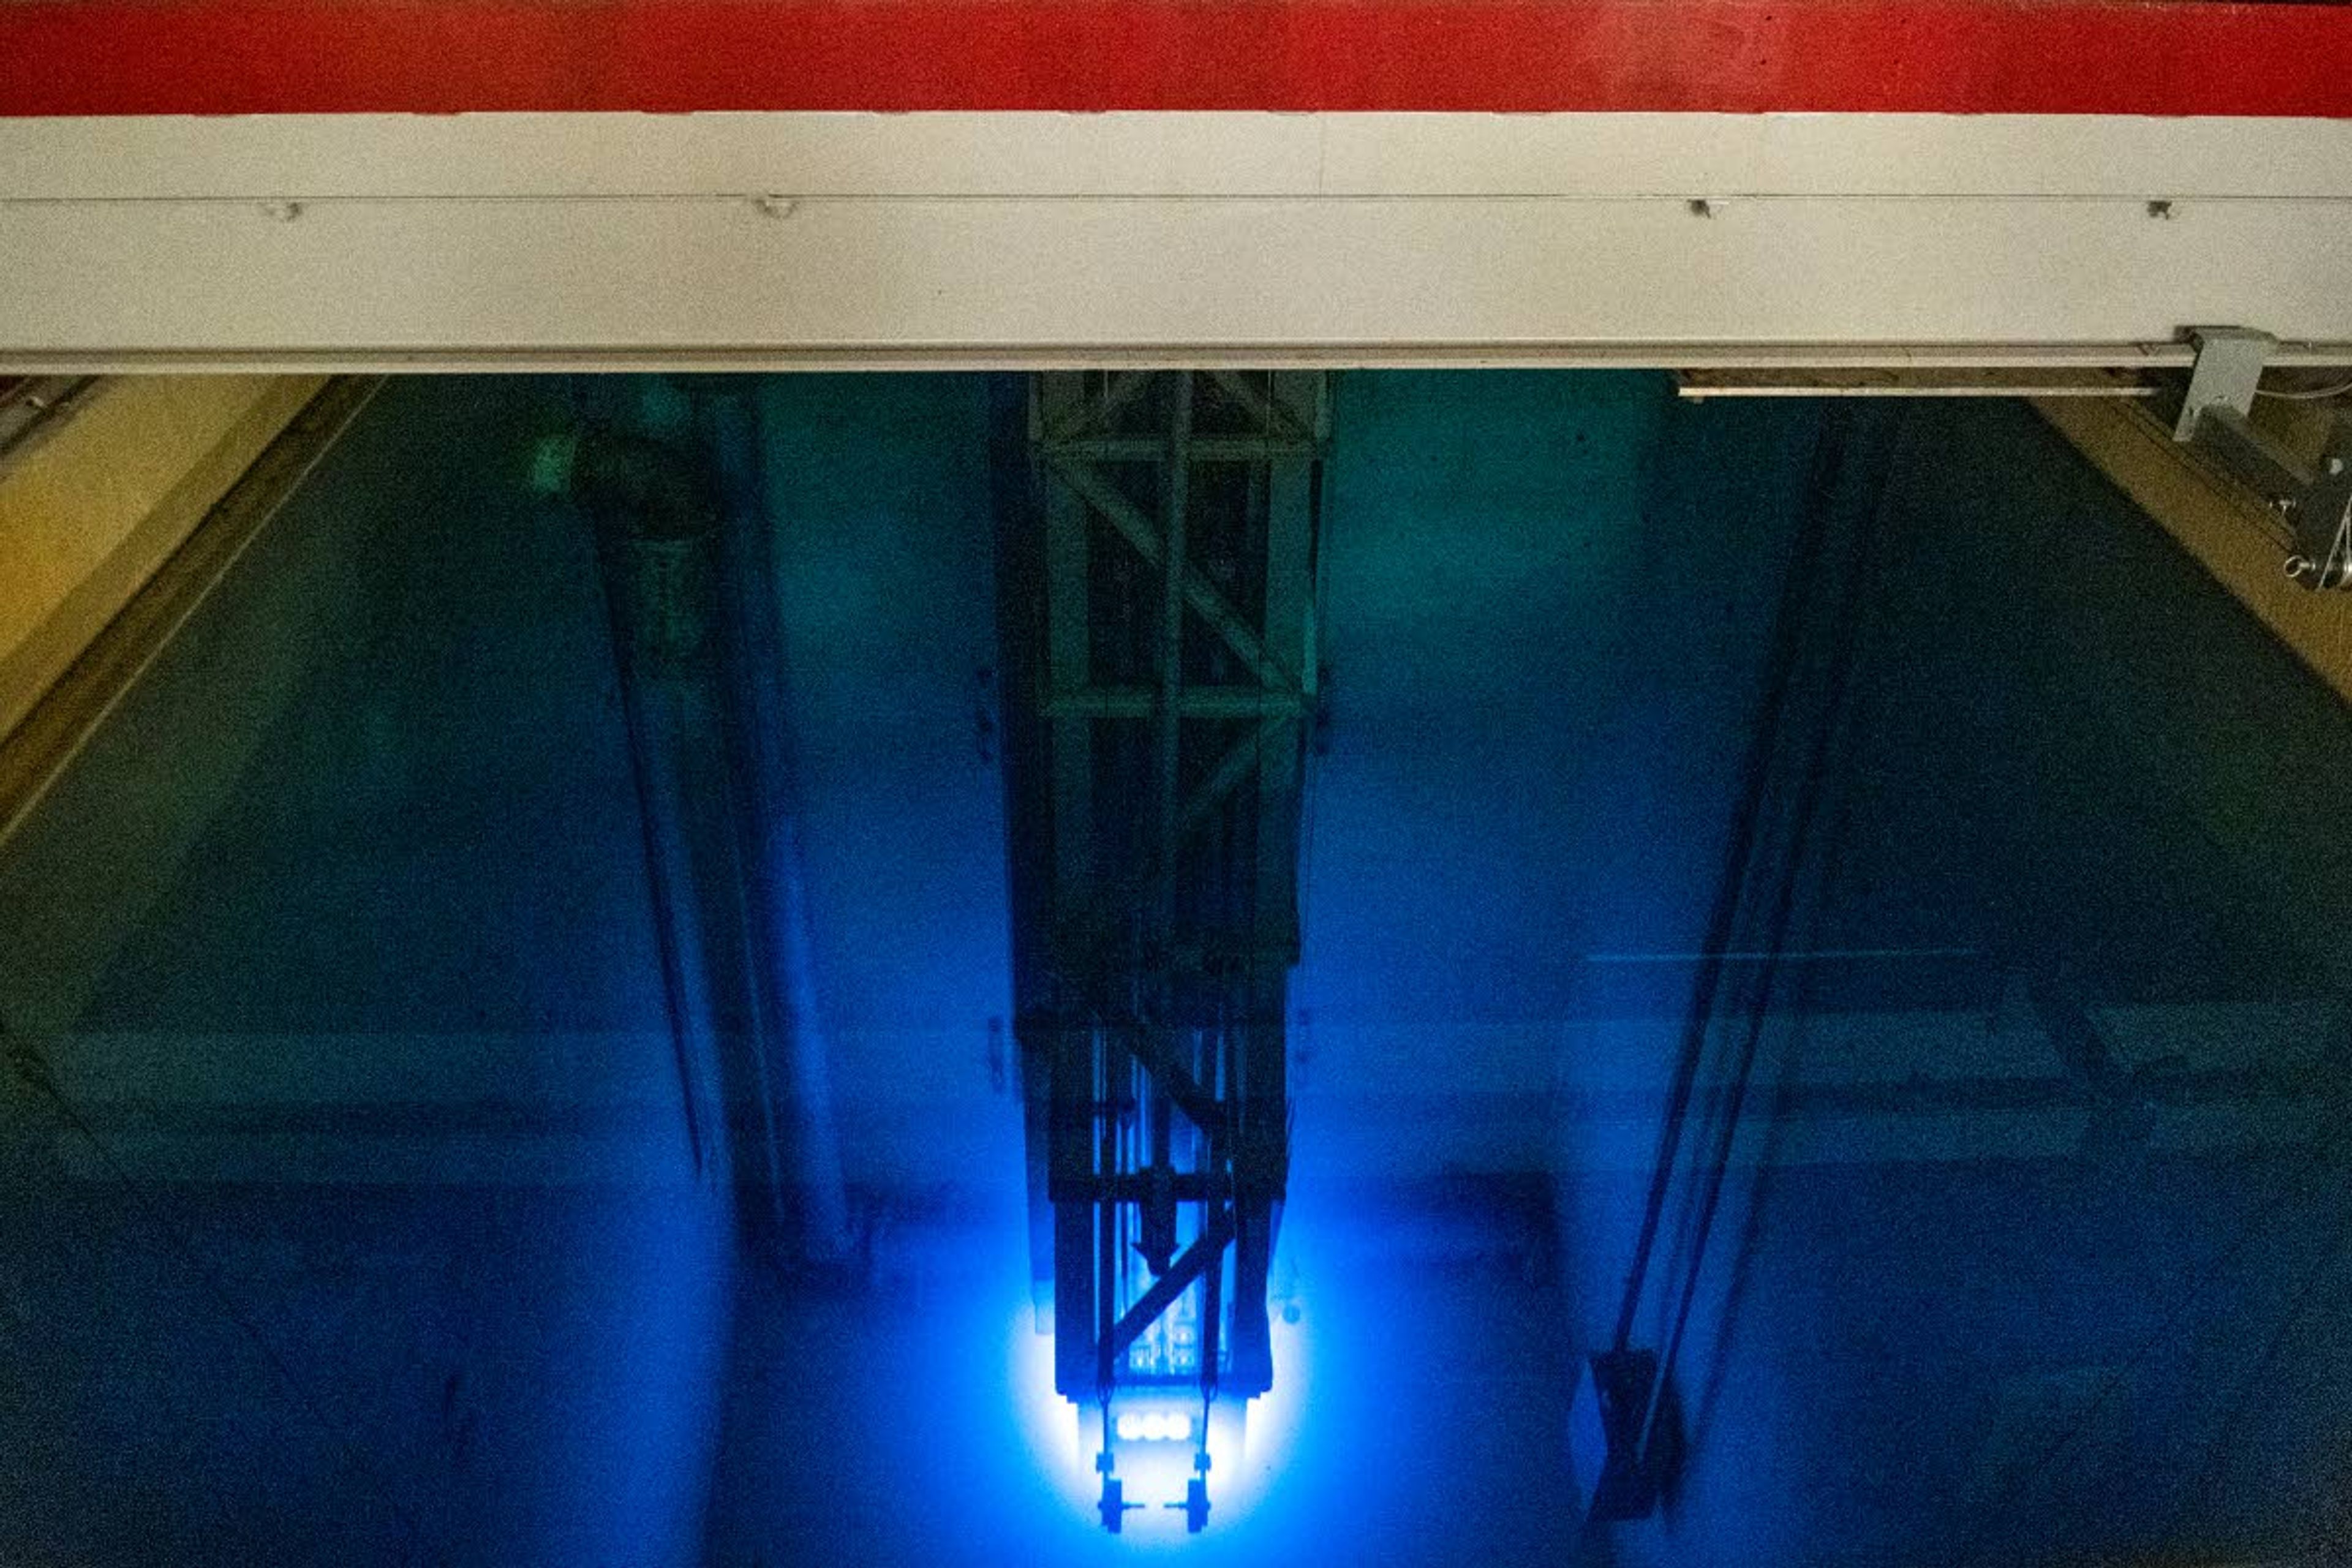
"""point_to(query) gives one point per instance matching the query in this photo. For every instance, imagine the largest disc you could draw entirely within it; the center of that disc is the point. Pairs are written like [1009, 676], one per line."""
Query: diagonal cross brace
[1122, 390]
[1151, 1049]
[1239, 761]
[1201, 594]
[1208, 1250]
[1262, 407]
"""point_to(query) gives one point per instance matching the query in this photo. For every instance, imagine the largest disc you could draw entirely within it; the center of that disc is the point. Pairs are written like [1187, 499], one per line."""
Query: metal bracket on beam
[2322, 517]
[2228, 367]
[2316, 503]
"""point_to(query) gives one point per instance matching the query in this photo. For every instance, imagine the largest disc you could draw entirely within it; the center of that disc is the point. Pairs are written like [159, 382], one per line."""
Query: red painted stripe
[242, 57]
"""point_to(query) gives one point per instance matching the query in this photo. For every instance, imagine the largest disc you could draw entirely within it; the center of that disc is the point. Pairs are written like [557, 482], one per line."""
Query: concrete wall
[1546, 604]
[374, 1234]
[90, 505]
[2074, 1325]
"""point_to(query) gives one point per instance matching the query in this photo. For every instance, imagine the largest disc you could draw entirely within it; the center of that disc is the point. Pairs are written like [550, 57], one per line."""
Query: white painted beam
[734, 241]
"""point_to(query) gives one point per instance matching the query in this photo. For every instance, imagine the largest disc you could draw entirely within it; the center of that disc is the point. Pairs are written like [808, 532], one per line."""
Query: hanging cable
[1723, 919]
[2305, 395]
[1791, 871]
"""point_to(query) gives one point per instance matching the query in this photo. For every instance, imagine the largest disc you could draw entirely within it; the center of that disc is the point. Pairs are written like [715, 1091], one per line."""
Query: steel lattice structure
[1159, 648]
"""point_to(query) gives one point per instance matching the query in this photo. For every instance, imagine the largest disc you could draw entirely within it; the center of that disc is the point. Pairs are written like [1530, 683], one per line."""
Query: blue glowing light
[1249, 1446]
[1153, 1426]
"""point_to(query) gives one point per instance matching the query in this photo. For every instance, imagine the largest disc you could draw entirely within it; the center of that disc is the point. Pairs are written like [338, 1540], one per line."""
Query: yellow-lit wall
[2223, 526]
[90, 507]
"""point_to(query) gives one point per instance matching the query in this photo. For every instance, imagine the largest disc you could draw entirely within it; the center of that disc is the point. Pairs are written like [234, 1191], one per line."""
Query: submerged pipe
[772, 816]
[728, 897]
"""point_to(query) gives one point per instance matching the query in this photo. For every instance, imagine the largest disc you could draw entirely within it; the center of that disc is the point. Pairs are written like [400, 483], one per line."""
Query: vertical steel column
[1073, 1088]
[1168, 723]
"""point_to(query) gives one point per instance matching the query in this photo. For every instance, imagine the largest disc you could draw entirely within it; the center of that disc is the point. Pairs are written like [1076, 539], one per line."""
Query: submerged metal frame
[1159, 634]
